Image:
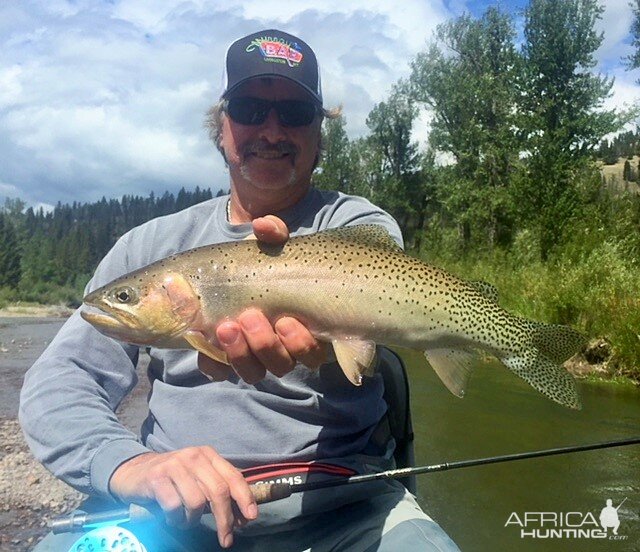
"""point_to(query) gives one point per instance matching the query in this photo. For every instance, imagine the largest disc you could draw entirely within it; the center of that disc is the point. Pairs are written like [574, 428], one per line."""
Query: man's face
[270, 156]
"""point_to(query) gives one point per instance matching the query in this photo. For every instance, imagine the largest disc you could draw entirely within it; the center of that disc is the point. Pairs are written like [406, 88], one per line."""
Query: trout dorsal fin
[366, 234]
[485, 288]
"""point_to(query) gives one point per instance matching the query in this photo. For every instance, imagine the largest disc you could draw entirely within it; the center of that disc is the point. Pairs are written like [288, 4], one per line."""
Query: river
[498, 507]
[484, 508]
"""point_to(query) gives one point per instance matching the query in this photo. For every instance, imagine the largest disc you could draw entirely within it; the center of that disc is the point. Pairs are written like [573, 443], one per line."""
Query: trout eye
[125, 295]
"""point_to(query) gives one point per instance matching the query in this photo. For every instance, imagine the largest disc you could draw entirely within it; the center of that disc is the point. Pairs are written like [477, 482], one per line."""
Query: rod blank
[268, 492]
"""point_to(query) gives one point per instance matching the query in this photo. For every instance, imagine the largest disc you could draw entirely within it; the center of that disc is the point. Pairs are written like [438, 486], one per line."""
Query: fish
[352, 287]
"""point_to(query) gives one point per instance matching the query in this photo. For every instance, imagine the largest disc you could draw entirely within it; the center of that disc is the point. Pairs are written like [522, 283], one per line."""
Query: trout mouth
[120, 325]
[100, 318]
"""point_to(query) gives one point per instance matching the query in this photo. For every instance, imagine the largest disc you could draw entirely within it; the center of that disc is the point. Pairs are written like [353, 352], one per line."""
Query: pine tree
[9, 254]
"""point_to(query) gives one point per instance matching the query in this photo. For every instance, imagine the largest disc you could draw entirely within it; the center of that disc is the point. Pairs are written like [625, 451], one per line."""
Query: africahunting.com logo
[569, 525]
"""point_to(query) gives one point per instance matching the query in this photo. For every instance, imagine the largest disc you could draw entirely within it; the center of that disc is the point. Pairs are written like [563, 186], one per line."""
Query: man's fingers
[231, 338]
[299, 342]
[238, 487]
[222, 484]
[270, 229]
[264, 343]
[253, 346]
[168, 498]
[177, 493]
[182, 482]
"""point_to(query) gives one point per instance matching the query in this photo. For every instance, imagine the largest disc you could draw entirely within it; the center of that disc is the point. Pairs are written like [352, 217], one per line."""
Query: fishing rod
[269, 492]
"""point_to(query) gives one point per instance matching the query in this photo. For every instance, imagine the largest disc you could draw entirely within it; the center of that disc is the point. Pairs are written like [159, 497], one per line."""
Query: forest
[509, 188]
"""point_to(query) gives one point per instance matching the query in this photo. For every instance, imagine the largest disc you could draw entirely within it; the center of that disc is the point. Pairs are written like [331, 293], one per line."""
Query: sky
[106, 98]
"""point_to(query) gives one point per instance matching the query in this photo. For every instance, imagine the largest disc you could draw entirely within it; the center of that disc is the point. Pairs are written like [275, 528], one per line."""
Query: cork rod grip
[268, 492]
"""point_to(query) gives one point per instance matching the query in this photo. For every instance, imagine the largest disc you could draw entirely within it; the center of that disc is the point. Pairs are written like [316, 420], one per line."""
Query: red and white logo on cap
[276, 50]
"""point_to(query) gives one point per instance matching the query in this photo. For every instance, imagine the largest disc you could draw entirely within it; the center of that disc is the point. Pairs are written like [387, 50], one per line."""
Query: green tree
[38, 261]
[398, 188]
[468, 79]
[563, 118]
[14, 208]
[335, 171]
[391, 123]
[366, 161]
[633, 61]
[626, 171]
[9, 253]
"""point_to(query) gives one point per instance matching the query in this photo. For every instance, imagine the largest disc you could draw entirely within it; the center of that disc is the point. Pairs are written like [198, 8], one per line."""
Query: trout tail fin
[539, 364]
[558, 343]
[546, 376]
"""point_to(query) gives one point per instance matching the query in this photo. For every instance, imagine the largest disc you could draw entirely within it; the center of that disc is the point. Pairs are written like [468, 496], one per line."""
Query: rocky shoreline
[30, 494]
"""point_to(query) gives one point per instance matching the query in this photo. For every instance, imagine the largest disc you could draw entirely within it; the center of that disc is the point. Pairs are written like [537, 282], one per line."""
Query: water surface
[501, 415]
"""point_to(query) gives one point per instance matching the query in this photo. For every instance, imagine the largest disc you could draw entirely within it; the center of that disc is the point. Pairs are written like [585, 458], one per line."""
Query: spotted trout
[352, 287]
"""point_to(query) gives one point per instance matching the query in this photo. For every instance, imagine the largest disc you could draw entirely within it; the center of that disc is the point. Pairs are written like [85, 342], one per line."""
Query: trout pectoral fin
[356, 358]
[453, 367]
[202, 345]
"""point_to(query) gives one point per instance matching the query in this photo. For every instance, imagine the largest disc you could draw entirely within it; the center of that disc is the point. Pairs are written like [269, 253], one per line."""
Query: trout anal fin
[356, 358]
[453, 367]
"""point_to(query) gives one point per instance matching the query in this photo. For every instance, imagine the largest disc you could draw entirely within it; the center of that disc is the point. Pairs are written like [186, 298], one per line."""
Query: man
[279, 401]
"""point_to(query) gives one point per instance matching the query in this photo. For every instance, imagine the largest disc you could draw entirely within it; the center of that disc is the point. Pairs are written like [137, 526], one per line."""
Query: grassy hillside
[613, 175]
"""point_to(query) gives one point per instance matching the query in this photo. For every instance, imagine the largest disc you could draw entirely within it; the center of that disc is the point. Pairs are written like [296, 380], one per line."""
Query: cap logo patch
[276, 50]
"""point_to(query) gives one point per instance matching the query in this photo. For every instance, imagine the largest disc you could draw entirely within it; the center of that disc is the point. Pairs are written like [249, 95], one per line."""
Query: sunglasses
[246, 110]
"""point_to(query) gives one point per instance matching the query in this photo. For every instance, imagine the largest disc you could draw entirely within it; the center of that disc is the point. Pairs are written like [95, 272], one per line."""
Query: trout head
[143, 309]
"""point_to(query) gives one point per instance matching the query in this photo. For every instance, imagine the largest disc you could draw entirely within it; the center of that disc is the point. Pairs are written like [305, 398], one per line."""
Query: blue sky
[108, 97]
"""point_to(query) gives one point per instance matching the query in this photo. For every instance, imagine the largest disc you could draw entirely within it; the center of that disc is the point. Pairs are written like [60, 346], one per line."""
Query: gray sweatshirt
[70, 394]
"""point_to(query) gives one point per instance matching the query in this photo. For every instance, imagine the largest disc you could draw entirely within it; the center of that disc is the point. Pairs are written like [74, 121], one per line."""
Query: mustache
[262, 146]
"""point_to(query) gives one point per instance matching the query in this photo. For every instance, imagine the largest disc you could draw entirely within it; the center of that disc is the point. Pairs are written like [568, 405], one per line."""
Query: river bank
[21, 309]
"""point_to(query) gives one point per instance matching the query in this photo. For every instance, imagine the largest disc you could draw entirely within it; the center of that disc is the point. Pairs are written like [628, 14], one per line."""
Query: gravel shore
[29, 494]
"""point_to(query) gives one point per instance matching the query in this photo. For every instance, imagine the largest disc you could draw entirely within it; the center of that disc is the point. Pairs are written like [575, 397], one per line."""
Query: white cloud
[10, 87]
[46, 207]
[625, 90]
[615, 24]
[106, 98]
[8, 190]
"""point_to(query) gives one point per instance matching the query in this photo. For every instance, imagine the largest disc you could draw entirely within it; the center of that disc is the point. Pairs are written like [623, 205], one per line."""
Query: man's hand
[252, 344]
[183, 482]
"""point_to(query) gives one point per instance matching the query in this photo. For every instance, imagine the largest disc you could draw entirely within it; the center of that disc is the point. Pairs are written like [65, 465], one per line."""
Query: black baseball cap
[272, 53]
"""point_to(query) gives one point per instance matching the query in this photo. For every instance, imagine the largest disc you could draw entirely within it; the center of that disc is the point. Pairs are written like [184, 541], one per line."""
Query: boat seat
[396, 395]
